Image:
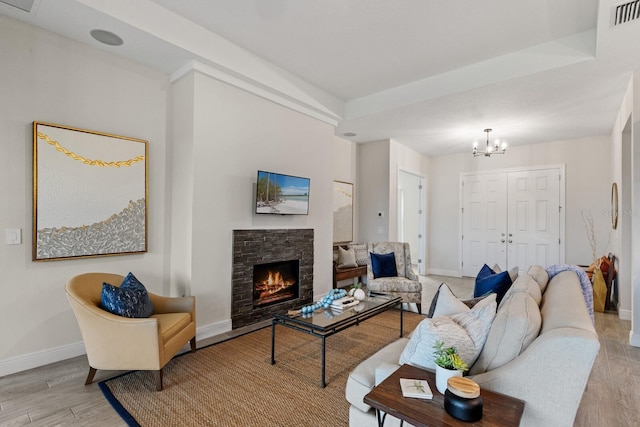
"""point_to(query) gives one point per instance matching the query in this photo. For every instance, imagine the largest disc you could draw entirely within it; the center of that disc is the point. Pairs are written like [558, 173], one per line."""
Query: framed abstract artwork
[89, 193]
[342, 212]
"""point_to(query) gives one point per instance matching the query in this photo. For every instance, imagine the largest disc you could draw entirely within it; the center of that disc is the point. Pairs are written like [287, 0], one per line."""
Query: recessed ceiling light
[349, 134]
[106, 37]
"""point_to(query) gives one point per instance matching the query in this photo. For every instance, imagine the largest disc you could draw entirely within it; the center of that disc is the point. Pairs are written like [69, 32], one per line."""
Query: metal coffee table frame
[323, 328]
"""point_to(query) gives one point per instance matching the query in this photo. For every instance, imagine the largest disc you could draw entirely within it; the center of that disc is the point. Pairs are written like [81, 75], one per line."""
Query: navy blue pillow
[383, 265]
[129, 300]
[488, 281]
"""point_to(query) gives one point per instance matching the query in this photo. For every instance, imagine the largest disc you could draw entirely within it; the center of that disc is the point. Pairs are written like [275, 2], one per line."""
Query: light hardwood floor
[55, 394]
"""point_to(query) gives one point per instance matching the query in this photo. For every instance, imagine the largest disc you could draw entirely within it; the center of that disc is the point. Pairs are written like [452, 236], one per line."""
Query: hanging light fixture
[496, 149]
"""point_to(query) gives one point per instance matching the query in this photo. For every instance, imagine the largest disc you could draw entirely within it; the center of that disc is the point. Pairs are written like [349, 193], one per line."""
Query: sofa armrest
[550, 376]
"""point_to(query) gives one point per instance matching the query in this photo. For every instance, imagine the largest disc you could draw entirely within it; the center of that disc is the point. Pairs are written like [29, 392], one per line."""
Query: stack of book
[415, 388]
[342, 303]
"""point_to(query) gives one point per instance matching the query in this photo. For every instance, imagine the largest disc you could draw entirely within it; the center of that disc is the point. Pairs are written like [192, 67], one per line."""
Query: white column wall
[235, 133]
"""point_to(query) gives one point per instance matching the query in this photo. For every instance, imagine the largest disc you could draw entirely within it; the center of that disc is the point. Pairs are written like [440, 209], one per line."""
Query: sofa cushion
[525, 283]
[556, 312]
[169, 324]
[516, 325]
[383, 265]
[396, 285]
[466, 332]
[489, 281]
[540, 275]
[346, 258]
[129, 300]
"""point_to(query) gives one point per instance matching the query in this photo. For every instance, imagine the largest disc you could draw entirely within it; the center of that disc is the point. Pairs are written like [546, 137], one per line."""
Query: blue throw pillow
[488, 281]
[383, 265]
[129, 300]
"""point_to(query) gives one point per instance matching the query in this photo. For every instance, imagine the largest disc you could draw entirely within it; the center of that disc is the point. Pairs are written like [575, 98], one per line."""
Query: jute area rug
[234, 384]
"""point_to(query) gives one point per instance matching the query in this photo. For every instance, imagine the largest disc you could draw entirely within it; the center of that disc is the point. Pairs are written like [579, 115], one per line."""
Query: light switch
[14, 236]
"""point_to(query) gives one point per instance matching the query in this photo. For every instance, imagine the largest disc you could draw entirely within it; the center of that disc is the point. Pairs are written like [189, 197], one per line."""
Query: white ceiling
[428, 74]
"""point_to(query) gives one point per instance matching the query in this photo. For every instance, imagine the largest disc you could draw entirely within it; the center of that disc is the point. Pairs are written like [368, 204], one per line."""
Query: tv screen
[282, 194]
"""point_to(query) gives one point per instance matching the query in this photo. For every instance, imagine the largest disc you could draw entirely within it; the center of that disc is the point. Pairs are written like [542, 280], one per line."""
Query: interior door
[484, 221]
[533, 218]
[411, 217]
[511, 219]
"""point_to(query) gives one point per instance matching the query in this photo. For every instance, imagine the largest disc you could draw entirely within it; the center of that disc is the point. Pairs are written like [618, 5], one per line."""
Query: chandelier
[496, 149]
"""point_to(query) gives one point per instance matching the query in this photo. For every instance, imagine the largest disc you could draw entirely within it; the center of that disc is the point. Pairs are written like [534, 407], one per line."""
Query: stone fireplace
[287, 253]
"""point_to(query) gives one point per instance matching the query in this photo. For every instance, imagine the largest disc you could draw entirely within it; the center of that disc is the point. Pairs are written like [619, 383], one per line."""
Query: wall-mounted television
[281, 194]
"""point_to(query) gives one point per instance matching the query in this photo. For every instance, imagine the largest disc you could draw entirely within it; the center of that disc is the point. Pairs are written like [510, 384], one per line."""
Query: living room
[208, 135]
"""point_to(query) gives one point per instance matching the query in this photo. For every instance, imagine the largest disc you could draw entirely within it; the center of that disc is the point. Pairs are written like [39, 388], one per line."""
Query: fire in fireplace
[275, 282]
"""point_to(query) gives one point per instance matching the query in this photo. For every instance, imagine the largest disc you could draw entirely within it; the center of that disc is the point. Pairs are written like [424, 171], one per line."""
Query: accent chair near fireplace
[404, 283]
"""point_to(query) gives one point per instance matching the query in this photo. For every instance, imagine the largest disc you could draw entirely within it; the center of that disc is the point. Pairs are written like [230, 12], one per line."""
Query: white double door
[512, 218]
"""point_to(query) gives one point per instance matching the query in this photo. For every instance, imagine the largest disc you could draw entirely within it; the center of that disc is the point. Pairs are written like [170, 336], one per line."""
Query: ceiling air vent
[626, 12]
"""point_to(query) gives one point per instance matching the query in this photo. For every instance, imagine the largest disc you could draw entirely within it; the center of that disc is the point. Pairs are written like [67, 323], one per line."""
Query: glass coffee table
[322, 326]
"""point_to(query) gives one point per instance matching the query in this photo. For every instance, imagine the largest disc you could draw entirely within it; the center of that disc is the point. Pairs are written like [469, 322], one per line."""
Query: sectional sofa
[540, 348]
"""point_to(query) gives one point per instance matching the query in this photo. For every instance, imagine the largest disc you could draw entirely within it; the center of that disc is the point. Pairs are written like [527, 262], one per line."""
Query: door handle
[510, 241]
[502, 240]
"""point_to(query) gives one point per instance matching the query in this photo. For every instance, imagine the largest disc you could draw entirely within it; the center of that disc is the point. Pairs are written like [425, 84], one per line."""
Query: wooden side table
[498, 409]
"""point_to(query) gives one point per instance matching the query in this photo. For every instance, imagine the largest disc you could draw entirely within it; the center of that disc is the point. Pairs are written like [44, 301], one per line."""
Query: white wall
[379, 166]
[206, 142]
[44, 77]
[344, 169]
[373, 196]
[588, 187]
[621, 172]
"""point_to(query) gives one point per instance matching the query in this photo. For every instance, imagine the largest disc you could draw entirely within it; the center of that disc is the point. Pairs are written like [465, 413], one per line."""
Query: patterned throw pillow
[362, 256]
[467, 332]
[129, 300]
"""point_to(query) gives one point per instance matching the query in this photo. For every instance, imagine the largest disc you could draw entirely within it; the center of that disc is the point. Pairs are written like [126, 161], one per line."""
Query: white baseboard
[40, 358]
[449, 273]
[634, 339]
[57, 354]
[213, 329]
[624, 314]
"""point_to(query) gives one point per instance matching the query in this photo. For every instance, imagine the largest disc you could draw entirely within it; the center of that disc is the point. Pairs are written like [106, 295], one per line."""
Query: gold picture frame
[90, 193]
[342, 212]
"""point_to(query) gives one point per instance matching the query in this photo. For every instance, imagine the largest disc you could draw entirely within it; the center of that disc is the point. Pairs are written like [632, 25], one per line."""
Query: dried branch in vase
[591, 236]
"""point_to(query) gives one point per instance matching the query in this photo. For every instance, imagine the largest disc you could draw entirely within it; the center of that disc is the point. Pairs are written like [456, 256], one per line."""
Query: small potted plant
[448, 364]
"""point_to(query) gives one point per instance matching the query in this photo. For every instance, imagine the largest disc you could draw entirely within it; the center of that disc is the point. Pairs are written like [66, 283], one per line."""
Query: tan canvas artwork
[342, 212]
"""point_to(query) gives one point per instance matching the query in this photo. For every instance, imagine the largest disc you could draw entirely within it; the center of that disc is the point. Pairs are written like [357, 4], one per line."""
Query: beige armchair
[122, 343]
[406, 284]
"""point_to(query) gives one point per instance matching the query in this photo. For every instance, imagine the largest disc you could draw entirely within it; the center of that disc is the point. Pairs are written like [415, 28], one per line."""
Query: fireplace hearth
[263, 248]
